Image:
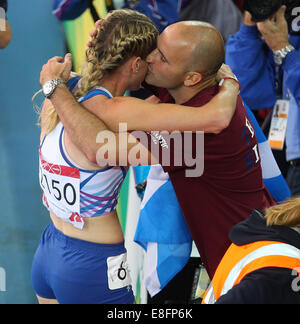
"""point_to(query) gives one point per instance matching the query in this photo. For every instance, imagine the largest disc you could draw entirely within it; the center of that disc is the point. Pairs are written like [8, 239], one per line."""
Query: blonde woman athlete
[81, 258]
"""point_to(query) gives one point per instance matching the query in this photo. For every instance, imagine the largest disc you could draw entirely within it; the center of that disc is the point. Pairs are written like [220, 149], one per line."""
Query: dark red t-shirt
[230, 187]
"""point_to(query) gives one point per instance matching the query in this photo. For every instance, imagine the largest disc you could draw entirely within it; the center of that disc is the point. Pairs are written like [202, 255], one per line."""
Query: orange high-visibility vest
[242, 260]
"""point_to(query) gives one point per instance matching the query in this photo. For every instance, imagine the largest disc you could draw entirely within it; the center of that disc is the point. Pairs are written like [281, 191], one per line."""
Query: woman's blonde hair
[285, 214]
[122, 34]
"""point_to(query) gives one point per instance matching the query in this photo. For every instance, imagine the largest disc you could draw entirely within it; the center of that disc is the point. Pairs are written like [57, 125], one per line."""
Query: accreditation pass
[279, 124]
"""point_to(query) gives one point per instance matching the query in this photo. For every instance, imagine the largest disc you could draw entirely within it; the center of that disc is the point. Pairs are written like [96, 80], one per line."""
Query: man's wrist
[49, 78]
[60, 89]
[50, 86]
[280, 45]
[281, 54]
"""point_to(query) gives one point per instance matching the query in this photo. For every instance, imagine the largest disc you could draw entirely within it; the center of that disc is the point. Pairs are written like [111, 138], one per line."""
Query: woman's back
[82, 198]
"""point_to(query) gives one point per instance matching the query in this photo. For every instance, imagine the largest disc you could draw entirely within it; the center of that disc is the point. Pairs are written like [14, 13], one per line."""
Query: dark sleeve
[292, 70]
[249, 58]
[265, 286]
[3, 4]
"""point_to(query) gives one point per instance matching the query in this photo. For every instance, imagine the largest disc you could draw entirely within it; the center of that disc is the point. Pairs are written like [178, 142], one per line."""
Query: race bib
[61, 187]
[117, 272]
[279, 124]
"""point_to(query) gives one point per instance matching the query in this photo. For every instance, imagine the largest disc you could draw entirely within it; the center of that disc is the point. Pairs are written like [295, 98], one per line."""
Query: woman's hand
[225, 76]
[225, 72]
[94, 32]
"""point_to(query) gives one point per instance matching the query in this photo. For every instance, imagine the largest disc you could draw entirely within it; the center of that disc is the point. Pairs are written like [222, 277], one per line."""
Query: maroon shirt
[229, 189]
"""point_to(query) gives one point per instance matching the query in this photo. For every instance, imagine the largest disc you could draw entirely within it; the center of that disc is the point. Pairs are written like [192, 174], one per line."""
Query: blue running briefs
[80, 272]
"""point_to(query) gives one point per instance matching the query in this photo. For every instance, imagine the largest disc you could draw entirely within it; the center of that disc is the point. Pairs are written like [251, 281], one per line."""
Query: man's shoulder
[203, 97]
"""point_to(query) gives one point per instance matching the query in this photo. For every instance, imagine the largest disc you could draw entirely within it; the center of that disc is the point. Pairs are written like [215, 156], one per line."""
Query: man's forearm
[82, 126]
[144, 116]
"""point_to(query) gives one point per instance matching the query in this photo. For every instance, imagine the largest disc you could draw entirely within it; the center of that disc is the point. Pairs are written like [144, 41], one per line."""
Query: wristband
[235, 79]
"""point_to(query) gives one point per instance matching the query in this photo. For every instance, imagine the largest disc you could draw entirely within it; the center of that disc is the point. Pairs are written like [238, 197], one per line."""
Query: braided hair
[123, 33]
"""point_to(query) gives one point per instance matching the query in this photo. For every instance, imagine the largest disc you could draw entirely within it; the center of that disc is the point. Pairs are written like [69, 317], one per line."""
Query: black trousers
[293, 180]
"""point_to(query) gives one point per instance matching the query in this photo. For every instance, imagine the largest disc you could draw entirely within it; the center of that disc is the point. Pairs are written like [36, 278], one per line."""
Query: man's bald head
[204, 46]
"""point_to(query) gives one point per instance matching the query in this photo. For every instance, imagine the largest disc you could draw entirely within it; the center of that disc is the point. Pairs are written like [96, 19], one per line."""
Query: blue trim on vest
[73, 82]
[94, 93]
[43, 141]
[72, 165]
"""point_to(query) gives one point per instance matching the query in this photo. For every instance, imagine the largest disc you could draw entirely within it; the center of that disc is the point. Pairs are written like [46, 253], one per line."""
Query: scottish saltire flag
[140, 174]
[162, 230]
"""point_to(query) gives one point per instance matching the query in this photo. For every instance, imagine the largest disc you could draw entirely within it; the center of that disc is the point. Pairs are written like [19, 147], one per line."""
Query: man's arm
[146, 116]
[142, 115]
[100, 145]
[84, 127]
[89, 133]
[248, 56]
[275, 33]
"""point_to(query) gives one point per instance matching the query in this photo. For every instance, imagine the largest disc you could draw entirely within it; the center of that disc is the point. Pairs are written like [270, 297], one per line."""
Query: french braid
[123, 33]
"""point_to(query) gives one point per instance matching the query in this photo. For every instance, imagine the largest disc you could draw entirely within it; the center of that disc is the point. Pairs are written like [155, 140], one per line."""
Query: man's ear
[192, 78]
[136, 64]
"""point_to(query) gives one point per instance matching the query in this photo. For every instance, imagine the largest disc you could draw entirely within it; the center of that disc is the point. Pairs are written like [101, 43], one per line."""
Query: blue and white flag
[162, 230]
[272, 177]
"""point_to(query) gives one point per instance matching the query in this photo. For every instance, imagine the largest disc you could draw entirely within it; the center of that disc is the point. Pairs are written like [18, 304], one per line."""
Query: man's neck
[184, 94]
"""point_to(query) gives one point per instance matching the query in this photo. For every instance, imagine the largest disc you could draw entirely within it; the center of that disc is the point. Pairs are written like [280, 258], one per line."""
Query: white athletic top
[71, 192]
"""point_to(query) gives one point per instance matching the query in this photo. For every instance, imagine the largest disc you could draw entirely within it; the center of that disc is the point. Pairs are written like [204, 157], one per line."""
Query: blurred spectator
[266, 248]
[162, 12]
[252, 54]
[5, 31]
[239, 4]
[223, 14]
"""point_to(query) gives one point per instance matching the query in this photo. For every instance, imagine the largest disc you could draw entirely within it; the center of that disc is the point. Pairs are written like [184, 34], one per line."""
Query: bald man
[183, 70]
[187, 59]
